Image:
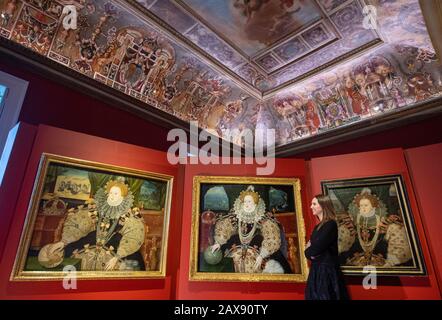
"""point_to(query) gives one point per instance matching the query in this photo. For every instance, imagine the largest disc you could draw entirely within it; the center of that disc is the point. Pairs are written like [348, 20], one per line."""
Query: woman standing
[325, 280]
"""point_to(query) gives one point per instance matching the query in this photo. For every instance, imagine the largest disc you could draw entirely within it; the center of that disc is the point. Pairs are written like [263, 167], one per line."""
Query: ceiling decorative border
[306, 53]
[130, 54]
[325, 67]
[54, 71]
[406, 115]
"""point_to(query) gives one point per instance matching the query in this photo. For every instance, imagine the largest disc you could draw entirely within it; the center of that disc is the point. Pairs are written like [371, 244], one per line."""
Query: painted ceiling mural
[284, 49]
[253, 27]
[269, 44]
[388, 79]
[125, 53]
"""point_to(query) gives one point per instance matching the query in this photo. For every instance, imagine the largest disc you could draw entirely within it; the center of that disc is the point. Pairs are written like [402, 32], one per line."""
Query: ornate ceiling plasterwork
[269, 45]
[180, 57]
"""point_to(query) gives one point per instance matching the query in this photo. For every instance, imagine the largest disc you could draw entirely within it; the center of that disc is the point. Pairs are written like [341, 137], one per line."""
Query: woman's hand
[56, 248]
[258, 263]
[215, 247]
[110, 265]
[308, 245]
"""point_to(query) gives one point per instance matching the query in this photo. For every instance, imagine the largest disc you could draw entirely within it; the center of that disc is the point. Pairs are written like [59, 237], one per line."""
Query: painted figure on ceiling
[419, 86]
[331, 106]
[133, 71]
[373, 87]
[212, 119]
[237, 135]
[7, 12]
[67, 41]
[35, 30]
[186, 100]
[156, 78]
[234, 108]
[312, 119]
[140, 58]
[390, 82]
[355, 88]
[270, 17]
[300, 113]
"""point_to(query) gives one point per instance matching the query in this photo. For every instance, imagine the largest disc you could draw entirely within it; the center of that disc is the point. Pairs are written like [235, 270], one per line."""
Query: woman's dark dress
[325, 280]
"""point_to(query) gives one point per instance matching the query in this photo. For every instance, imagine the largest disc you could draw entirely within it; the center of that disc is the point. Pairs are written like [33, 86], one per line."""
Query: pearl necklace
[246, 237]
[368, 246]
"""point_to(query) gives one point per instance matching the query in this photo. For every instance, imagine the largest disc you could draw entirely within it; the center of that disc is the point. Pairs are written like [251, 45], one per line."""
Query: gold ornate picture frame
[100, 221]
[247, 229]
[376, 226]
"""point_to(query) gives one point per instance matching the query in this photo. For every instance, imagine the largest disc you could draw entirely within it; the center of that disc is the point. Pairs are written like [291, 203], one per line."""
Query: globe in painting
[212, 257]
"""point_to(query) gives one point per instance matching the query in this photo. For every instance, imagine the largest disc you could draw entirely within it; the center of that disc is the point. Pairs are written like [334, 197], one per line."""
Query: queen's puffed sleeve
[224, 229]
[132, 236]
[77, 225]
[346, 234]
[398, 248]
[272, 238]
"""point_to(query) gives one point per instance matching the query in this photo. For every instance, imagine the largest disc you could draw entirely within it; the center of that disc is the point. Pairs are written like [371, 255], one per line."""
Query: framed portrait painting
[98, 220]
[247, 229]
[376, 226]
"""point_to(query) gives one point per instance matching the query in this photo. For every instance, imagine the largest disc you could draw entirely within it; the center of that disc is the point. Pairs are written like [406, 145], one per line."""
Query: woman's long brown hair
[328, 212]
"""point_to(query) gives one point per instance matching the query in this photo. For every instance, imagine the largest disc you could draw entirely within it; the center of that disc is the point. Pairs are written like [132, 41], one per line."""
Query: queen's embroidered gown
[245, 236]
[97, 236]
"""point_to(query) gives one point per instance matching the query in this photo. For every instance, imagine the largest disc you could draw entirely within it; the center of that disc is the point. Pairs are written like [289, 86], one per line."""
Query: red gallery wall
[15, 172]
[31, 141]
[378, 163]
[425, 170]
[234, 290]
[81, 146]
[18, 183]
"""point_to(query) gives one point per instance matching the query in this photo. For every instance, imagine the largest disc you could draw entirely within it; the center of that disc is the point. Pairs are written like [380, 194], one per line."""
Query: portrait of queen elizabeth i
[247, 231]
[375, 226]
[95, 221]
[107, 234]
